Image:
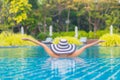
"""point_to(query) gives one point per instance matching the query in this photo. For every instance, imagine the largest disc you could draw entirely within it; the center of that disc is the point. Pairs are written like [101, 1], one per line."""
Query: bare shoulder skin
[52, 54]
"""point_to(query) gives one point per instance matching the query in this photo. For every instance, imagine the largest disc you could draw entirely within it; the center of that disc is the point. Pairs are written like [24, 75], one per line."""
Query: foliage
[71, 40]
[97, 35]
[91, 35]
[100, 33]
[112, 17]
[11, 39]
[110, 40]
[4, 26]
[83, 33]
[70, 33]
[14, 11]
[88, 15]
[58, 34]
[42, 36]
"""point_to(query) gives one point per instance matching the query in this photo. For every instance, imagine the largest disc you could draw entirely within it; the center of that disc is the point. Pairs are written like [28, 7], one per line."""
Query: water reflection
[22, 52]
[101, 52]
[92, 52]
[38, 51]
[61, 66]
[109, 52]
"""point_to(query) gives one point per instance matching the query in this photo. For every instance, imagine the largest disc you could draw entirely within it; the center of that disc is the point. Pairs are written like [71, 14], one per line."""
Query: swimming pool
[32, 63]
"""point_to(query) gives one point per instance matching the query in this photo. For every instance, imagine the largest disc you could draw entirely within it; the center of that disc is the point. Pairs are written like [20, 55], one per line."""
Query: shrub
[55, 34]
[42, 36]
[71, 40]
[100, 33]
[97, 35]
[11, 39]
[82, 34]
[71, 34]
[58, 34]
[110, 40]
[91, 35]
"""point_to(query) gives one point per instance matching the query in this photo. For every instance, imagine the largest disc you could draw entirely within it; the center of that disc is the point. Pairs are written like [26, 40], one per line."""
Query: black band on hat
[63, 47]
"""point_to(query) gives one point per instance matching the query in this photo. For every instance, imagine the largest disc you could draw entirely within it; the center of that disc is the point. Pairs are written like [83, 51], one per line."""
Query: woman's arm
[79, 51]
[47, 49]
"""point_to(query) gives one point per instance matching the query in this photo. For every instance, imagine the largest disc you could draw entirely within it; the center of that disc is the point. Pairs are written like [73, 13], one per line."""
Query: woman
[63, 49]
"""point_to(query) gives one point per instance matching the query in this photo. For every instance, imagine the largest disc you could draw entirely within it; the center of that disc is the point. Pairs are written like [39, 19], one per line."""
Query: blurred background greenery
[93, 17]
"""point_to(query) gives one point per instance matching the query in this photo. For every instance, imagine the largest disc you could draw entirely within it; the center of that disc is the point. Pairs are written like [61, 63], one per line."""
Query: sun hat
[63, 47]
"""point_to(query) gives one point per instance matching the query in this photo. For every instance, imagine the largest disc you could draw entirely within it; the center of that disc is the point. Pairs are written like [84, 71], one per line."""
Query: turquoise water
[32, 63]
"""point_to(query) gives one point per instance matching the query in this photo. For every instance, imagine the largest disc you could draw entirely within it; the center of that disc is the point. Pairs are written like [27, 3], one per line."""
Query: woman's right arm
[47, 49]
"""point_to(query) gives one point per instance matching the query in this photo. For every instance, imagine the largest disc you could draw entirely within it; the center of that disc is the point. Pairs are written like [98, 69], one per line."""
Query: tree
[14, 12]
[98, 12]
[113, 17]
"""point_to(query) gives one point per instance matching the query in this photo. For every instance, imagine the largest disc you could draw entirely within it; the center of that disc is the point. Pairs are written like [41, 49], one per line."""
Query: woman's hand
[101, 41]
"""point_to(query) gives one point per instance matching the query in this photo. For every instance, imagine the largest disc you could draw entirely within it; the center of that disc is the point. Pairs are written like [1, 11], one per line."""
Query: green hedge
[81, 33]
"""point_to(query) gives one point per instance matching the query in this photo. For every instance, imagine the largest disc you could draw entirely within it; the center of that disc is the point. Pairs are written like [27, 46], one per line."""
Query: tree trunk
[78, 21]
[95, 29]
[68, 21]
[45, 24]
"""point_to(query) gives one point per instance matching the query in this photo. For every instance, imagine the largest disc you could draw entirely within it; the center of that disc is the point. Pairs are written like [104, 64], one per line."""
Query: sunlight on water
[22, 52]
[33, 63]
[38, 51]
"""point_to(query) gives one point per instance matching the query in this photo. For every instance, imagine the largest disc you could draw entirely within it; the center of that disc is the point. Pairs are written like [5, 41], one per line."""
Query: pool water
[32, 63]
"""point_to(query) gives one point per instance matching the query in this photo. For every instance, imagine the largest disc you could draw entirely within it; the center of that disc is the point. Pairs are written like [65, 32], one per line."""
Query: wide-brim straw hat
[63, 47]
